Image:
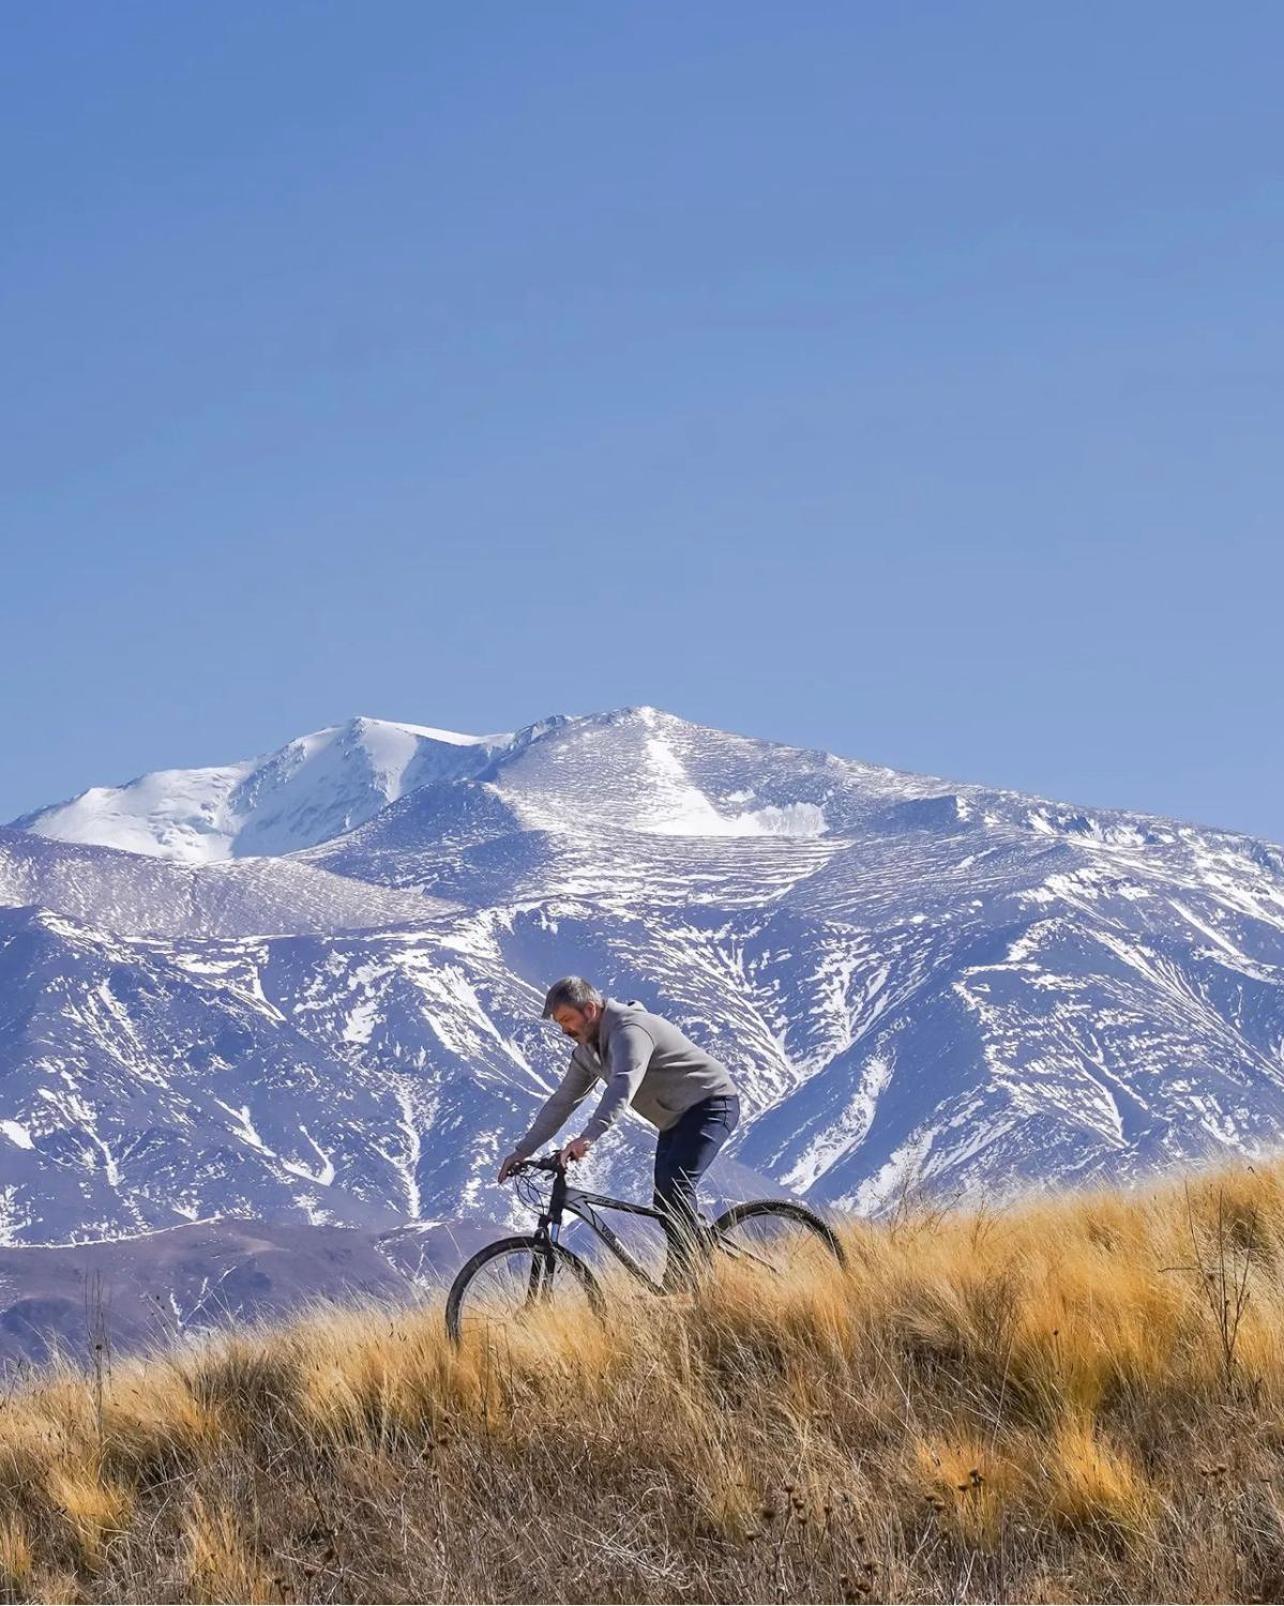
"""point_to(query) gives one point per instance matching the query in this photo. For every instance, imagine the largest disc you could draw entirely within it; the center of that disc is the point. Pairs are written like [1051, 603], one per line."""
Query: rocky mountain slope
[919, 985]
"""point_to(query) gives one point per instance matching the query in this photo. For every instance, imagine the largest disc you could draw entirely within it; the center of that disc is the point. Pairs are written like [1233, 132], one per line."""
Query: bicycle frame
[545, 1248]
[565, 1198]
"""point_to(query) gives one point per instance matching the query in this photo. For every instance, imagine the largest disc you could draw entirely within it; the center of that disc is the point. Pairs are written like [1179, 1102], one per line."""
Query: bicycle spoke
[732, 1246]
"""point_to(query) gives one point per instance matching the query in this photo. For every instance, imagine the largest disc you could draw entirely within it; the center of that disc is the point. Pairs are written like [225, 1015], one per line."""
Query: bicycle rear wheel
[777, 1234]
[504, 1283]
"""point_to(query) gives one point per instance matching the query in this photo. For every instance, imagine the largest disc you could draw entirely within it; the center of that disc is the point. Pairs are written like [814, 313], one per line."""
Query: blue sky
[899, 380]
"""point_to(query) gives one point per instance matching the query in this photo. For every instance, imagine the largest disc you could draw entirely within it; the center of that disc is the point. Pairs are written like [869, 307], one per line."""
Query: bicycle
[509, 1277]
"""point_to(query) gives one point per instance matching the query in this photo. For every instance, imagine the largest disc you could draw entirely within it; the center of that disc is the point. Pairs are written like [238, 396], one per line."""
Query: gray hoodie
[645, 1061]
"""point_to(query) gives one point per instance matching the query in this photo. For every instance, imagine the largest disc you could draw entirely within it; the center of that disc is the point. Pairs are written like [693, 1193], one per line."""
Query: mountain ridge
[918, 983]
[267, 804]
[484, 758]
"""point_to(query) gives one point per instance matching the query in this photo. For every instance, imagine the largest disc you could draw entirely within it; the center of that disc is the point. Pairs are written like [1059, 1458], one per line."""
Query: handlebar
[545, 1162]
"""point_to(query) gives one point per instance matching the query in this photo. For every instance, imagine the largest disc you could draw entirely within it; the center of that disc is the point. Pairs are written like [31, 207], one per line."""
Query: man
[646, 1062]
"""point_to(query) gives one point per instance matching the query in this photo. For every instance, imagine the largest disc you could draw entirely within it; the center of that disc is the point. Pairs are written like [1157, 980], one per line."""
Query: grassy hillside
[1081, 1400]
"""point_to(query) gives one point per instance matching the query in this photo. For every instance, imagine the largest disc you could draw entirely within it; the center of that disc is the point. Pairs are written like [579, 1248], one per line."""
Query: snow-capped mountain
[918, 984]
[311, 789]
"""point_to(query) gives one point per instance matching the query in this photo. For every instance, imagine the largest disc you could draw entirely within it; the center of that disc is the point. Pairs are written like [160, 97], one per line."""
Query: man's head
[576, 1006]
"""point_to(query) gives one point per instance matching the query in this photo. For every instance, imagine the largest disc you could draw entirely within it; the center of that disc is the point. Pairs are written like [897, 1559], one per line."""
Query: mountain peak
[364, 724]
[637, 768]
[313, 788]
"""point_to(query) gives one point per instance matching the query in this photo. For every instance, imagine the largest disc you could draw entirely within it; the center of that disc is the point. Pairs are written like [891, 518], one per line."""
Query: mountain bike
[512, 1276]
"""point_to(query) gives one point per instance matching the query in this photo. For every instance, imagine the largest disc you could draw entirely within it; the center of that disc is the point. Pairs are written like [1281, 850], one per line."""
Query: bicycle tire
[506, 1246]
[784, 1210]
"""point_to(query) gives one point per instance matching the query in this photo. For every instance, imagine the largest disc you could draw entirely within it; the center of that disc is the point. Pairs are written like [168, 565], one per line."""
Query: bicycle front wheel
[778, 1234]
[507, 1281]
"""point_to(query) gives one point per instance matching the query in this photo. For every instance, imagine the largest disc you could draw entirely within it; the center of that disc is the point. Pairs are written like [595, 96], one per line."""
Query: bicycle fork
[541, 1276]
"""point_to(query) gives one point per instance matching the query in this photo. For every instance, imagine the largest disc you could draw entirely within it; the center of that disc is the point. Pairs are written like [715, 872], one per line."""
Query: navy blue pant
[684, 1153]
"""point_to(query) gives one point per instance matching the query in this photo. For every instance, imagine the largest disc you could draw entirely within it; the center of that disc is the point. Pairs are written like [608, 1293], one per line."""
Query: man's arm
[569, 1093]
[630, 1051]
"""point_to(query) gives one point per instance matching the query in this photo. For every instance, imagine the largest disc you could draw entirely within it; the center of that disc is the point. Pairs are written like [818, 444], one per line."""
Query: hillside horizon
[1073, 1401]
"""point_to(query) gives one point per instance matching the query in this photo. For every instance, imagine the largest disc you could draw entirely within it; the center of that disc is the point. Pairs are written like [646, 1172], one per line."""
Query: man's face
[578, 1023]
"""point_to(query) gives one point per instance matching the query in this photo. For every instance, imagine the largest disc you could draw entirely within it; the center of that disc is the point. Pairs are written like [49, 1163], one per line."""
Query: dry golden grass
[1077, 1400]
[221, 1565]
[15, 1557]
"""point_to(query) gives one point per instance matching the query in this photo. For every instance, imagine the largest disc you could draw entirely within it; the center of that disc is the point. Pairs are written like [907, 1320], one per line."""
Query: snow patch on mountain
[310, 790]
[175, 814]
[794, 819]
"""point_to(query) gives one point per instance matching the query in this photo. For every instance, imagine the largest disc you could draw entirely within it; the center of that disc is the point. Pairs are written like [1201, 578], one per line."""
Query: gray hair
[572, 990]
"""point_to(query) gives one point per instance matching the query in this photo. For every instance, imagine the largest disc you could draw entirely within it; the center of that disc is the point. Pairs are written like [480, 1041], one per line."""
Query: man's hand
[576, 1149]
[506, 1167]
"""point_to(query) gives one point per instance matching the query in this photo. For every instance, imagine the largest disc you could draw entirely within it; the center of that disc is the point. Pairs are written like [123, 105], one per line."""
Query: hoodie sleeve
[630, 1054]
[571, 1091]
